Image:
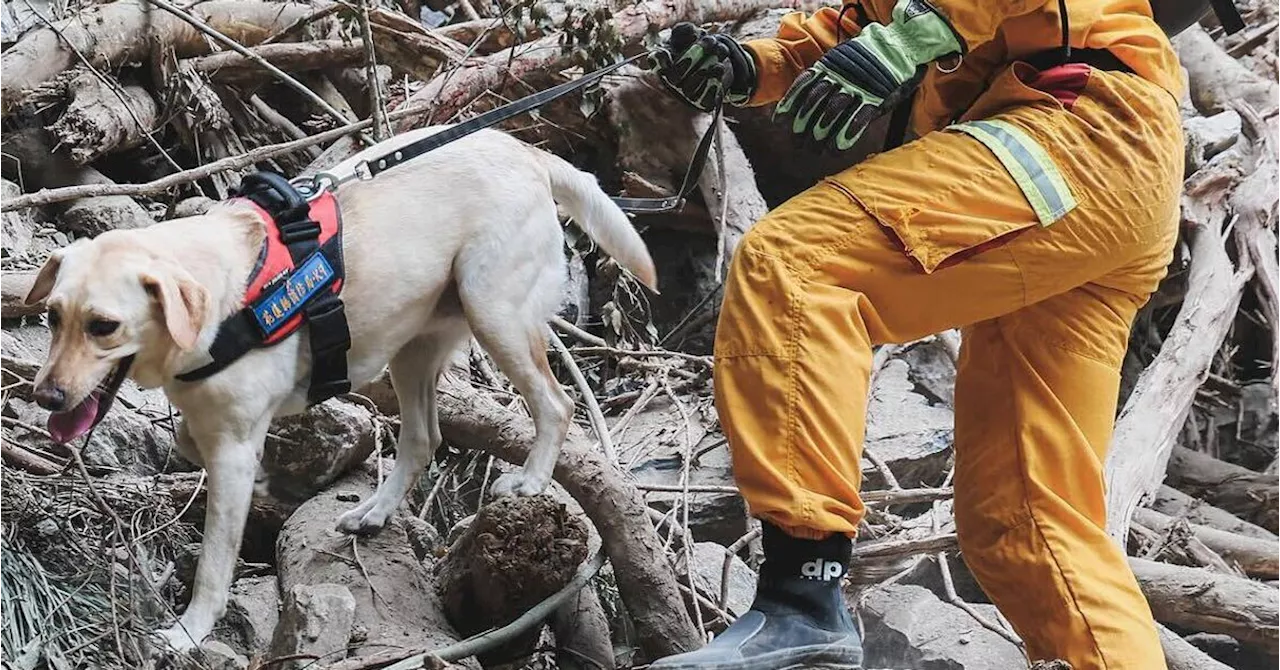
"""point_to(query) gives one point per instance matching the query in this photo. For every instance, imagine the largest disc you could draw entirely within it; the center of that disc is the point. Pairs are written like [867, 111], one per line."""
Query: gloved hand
[699, 67]
[862, 78]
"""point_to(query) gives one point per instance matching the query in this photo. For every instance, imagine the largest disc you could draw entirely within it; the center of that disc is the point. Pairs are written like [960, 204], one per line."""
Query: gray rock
[910, 435]
[1208, 136]
[124, 440]
[19, 227]
[713, 517]
[315, 619]
[932, 372]
[909, 627]
[89, 217]
[220, 656]
[253, 611]
[708, 567]
[926, 573]
[396, 604]
[308, 451]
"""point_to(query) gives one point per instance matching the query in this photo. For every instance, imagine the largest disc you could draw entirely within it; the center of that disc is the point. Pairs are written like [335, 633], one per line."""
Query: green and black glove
[859, 80]
[703, 68]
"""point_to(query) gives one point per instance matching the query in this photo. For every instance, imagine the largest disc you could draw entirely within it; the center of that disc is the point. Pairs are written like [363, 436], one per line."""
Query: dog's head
[108, 299]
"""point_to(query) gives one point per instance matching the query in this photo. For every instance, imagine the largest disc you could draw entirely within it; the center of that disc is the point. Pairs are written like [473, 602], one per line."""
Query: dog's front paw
[363, 520]
[178, 638]
[518, 484]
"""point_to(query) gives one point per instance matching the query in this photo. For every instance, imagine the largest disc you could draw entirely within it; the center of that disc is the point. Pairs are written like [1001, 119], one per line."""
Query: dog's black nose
[51, 398]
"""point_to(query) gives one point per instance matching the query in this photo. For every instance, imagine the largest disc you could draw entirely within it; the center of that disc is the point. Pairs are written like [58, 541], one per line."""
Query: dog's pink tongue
[68, 425]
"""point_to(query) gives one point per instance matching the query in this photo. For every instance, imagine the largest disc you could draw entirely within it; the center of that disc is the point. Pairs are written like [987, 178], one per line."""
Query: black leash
[373, 167]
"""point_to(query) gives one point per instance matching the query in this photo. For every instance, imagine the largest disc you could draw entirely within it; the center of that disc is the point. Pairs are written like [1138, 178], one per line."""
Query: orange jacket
[993, 38]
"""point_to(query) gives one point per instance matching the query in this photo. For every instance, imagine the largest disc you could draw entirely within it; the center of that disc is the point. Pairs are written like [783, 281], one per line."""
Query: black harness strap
[376, 166]
[324, 314]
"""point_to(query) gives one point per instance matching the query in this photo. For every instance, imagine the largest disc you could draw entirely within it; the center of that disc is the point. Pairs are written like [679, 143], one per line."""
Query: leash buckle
[362, 171]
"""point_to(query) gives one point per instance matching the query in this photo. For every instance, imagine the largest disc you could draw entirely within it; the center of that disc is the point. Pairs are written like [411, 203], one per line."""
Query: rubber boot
[798, 619]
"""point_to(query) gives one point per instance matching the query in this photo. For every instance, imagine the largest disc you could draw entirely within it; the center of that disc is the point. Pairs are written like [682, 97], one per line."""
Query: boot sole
[793, 659]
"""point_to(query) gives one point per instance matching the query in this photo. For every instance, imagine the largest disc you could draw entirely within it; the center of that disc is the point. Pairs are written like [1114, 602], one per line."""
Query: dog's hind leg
[520, 350]
[414, 371]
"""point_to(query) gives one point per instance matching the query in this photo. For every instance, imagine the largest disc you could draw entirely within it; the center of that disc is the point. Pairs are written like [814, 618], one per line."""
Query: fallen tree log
[103, 117]
[126, 31]
[645, 579]
[1257, 558]
[416, 53]
[1253, 496]
[1200, 600]
[41, 167]
[1148, 426]
[537, 62]
[1182, 655]
[1216, 79]
[1172, 502]
[231, 67]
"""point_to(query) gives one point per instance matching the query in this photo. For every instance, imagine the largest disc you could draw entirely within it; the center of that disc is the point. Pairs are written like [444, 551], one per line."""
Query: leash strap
[490, 118]
[372, 168]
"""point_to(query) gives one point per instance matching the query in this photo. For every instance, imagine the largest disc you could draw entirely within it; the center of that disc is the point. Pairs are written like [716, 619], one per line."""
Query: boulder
[316, 619]
[220, 656]
[909, 627]
[912, 436]
[308, 451]
[708, 567]
[395, 597]
[253, 611]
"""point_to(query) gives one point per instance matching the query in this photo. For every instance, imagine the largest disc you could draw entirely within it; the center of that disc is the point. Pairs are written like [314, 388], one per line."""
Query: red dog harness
[297, 279]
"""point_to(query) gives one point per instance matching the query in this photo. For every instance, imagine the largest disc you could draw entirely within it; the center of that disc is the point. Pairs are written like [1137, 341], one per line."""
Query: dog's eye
[54, 319]
[102, 327]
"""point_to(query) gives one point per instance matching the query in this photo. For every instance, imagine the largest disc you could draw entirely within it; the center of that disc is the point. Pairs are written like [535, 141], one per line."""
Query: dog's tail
[580, 195]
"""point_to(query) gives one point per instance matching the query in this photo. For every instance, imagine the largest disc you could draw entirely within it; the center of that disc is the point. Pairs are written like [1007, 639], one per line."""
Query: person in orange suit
[1036, 210]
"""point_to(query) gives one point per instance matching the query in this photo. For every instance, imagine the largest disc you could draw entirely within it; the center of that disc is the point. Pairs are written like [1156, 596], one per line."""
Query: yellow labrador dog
[464, 240]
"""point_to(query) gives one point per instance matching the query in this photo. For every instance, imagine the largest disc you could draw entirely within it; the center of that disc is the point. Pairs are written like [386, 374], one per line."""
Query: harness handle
[254, 184]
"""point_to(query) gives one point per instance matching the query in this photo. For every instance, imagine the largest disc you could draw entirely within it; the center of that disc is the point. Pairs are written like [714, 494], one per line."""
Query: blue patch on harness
[274, 310]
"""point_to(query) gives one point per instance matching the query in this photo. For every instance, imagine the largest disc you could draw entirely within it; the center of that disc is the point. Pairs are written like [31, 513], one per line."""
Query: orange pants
[935, 235]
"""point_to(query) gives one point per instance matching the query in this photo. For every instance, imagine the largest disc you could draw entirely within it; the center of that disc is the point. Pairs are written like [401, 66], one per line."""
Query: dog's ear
[44, 279]
[182, 302]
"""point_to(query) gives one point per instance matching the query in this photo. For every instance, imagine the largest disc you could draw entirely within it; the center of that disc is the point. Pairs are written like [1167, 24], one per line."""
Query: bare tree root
[1151, 420]
[103, 117]
[1254, 203]
[1205, 601]
[582, 634]
[645, 579]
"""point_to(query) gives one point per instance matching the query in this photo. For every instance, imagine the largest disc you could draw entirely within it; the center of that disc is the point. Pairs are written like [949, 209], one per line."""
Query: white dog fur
[464, 240]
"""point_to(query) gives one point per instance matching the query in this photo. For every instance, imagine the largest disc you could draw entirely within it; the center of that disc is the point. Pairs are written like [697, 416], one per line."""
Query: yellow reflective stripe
[1029, 165]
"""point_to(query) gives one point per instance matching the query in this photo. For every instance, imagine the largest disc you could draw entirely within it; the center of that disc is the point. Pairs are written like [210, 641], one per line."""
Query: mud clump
[516, 552]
